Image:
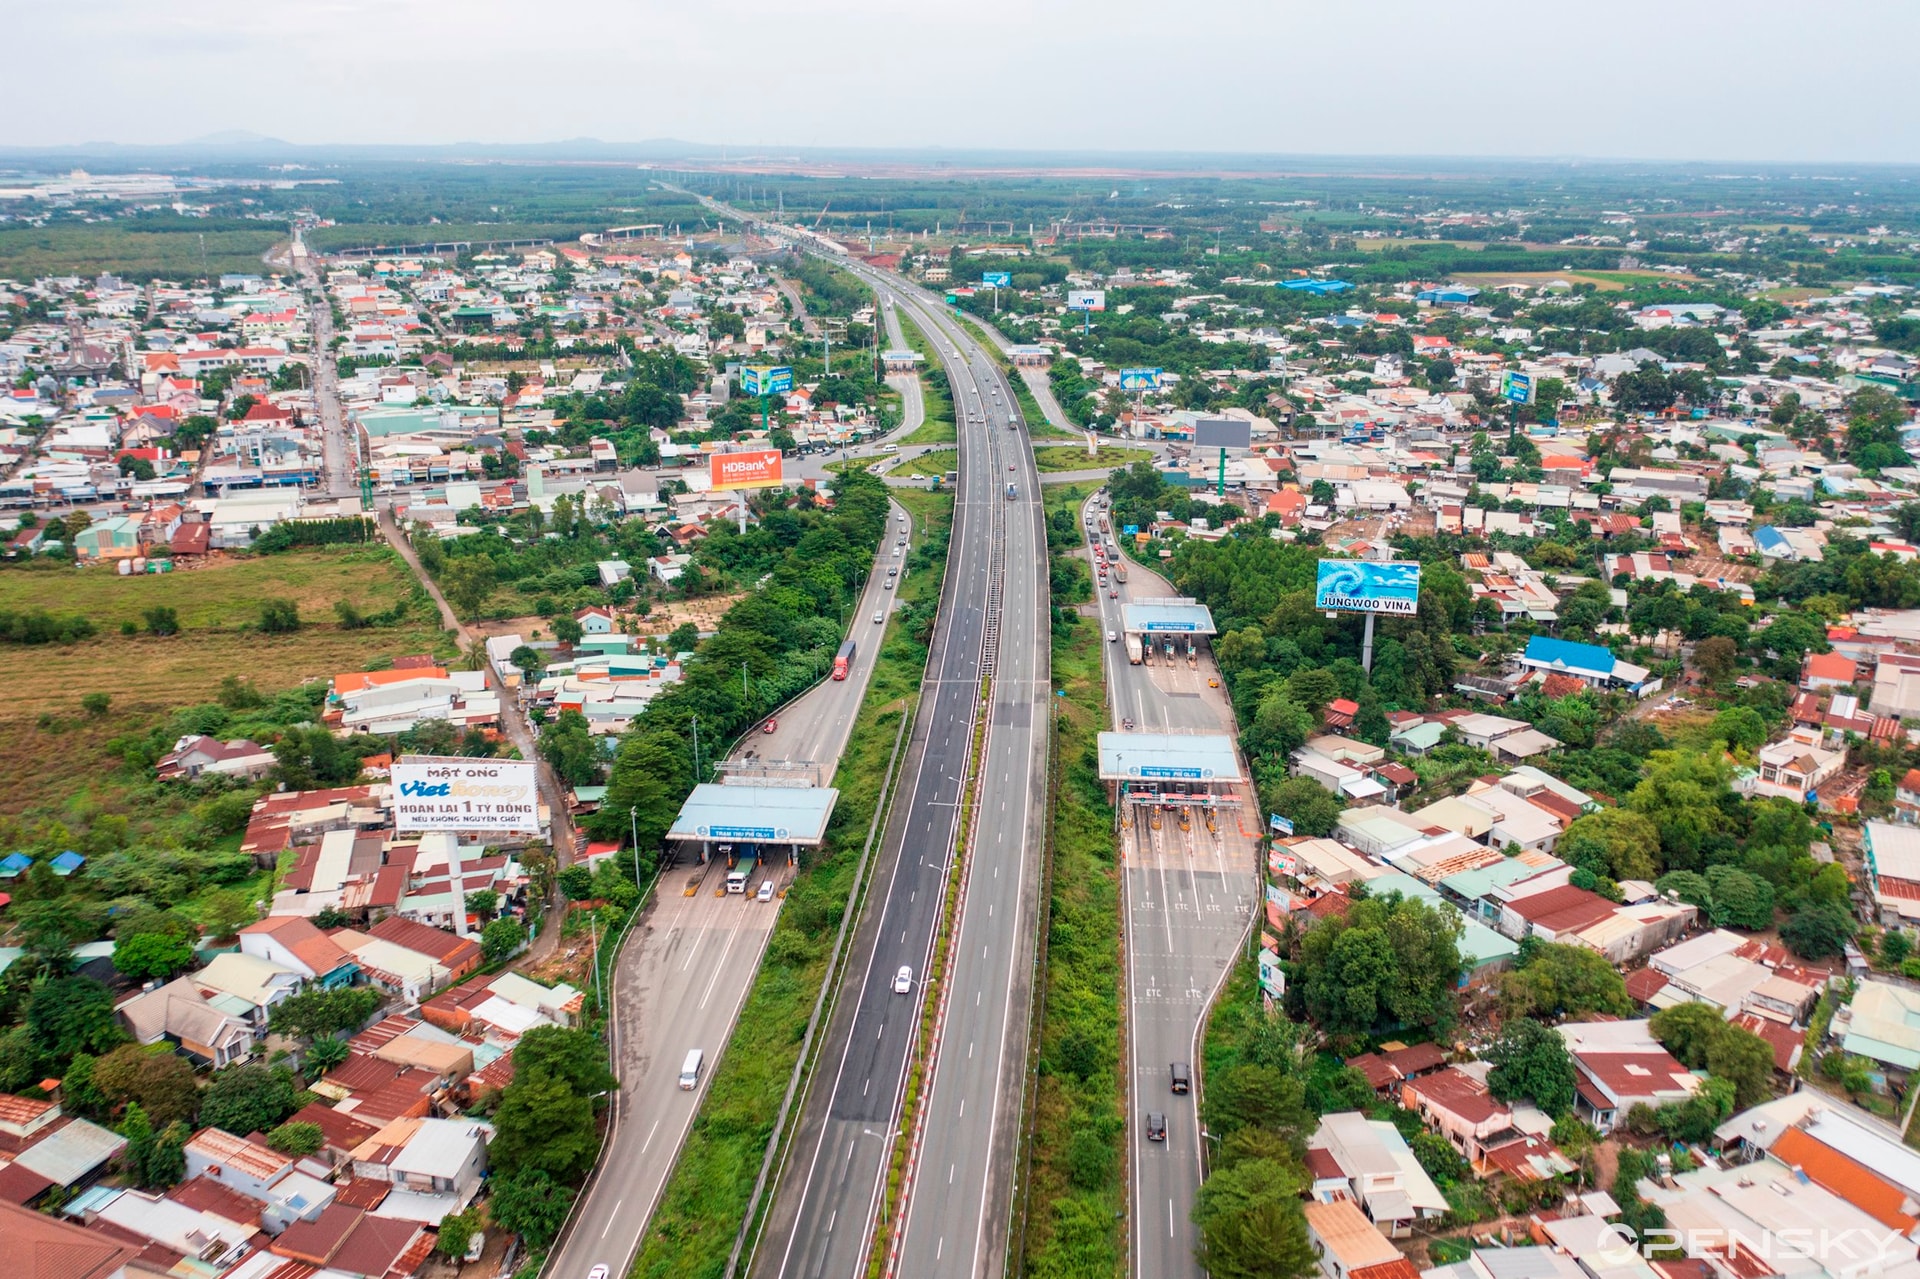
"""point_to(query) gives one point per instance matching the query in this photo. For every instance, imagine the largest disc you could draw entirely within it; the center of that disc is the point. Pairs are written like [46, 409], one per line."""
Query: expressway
[1188, 898]
[991, 622]
[684, 974]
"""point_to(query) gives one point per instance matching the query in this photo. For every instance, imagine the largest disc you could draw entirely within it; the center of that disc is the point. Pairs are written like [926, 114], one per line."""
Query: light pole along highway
[991, 623]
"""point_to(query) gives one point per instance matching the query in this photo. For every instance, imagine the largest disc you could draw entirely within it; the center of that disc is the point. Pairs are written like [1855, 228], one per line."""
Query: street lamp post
[633, 820]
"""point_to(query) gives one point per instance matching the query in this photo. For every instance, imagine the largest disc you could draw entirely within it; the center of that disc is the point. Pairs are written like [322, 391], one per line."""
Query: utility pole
[633, 819]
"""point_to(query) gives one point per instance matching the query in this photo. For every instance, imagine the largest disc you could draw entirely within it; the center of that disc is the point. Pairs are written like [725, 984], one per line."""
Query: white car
[1113, 637]
[878, 618]
[903, 980]
[598, 1272]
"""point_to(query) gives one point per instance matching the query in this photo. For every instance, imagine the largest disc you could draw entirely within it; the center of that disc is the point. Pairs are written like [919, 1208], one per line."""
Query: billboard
[1139, 379]
[435, 793]
[1362, 587]
[1279, 825]
[1517, 387]
[1086, 299]
[996, 279]
[766, 379]
[747, 469]
[1222, 433]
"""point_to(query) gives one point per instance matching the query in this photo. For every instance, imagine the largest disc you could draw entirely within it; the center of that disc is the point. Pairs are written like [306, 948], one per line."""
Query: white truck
[1133, 650]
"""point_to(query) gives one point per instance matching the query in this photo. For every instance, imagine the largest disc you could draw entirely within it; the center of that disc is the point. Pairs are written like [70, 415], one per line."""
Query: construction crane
[822, 217]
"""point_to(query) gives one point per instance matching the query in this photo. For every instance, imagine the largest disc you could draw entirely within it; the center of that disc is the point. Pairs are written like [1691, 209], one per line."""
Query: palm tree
[474, 656]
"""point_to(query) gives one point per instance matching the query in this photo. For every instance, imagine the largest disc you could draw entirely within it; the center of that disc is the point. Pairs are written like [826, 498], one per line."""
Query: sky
[1759, 80]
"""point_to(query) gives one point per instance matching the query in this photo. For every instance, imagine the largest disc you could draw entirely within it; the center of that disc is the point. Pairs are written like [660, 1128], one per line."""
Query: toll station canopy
[1166, 617]
[1174, 757]
[792, 815]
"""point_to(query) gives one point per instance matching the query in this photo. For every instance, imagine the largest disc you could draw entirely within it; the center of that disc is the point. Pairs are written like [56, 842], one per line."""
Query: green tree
[1740, 900]
[543, 1125]
[227, 911]
[575, 1057]
[500, 939]
[571, 749]
[527, 660]
[1895, 946]
[162, 620]
[456, 1234]
[1530, 1060]
[95, 704]
[152, 955]
[1681, 793]
[1554, 980]
[250, 1097]
[1615, 843]
[576, 882]
[315, 1012]
[1313, 809]
[568, 631]
[279, 616]
[530, 1203]
[1251, 1222]
[297, 1138]
[1818, 931]
[1389, 962]
[483, 902]
[323, 1054]
[467, 582]
[155, 1078]
[68, 1015]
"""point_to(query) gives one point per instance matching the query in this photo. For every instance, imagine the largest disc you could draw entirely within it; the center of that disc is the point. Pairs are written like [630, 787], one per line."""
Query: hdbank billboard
[432, 793]
[1360, 587]
[750, 469]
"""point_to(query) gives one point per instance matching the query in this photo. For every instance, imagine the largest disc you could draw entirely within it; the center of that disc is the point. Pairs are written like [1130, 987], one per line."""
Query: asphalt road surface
[1188, 896]
[824, 1208]
[685, 971]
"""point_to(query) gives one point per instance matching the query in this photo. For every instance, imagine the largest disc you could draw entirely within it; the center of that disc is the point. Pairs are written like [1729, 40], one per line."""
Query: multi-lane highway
[825, 1206]
[686, 970]
[1189, 897]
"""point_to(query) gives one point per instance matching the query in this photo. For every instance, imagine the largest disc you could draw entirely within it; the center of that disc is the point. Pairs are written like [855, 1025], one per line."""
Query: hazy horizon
[1649, 82]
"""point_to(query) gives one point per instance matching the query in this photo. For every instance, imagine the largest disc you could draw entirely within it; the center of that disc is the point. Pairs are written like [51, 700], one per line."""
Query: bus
[843, 660]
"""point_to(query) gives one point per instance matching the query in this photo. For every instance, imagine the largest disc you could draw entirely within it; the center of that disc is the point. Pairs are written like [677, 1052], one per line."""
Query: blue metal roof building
[1319, 288]
[1585, 661]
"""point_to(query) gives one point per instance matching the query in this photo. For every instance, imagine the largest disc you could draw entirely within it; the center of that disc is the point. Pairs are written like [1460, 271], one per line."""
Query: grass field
[1374, 246]
[51, 751]
[933, 462]
[938, 428]
[1067, 457]
[703, 1202]
[1076, 1190]
[26, 252]
[226, 592]
[357, 235]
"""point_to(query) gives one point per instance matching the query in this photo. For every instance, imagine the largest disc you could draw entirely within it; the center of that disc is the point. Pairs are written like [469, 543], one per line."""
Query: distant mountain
[235, 138]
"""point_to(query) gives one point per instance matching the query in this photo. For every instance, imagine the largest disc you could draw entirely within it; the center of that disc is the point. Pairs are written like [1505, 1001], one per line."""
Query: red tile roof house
[194, 755]
[355, 1243]
[1827, 670]
[1609, 1084]
[1459, 1108]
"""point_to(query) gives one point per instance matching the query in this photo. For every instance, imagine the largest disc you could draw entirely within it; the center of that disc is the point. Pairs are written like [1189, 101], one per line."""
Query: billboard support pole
[1366, 647]
[1222, 490]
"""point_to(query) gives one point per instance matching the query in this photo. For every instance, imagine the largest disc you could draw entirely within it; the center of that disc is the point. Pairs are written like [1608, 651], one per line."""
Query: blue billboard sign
[1169, 770]
[1361, 587]
[761, 379]
[1169, 626]
[1131, 530]
[1517, 387]
[996, 279]
[1139, 379]
[1279, 824]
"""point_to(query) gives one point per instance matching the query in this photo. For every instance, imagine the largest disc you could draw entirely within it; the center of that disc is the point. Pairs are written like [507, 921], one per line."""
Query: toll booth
[1195, 771]
[741, 820]
[1165, 631]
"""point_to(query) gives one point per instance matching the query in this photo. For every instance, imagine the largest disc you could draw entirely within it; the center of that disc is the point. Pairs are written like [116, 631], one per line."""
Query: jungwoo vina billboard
[748, 469]
[1358, 586]
[760, 379]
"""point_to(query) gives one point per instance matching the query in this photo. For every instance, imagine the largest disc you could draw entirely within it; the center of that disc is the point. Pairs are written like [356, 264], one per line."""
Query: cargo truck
[1133, 649]
[742, 872]
[843, 660]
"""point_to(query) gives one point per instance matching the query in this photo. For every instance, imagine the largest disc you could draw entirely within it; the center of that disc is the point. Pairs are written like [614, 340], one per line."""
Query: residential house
[1460, 1108]
[292, 941]
[1386, 1181]
[246, 986]
[507, 1004]
[1906, 798]
[438, 1163]
[458, 955]
[1882, 1024]
[1348, 1245]
[1827, 670]
[1891, 852]
[1796, 766]
[197, 754]
[595, 619]
[1619, 1065]
[249, 1167]
[354, 1242]
[1591, 664]
[45, 1247]
[177, 1013]
[1896, 685]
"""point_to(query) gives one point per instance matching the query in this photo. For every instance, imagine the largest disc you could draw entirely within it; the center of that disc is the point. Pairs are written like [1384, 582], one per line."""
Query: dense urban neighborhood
[1399, 701]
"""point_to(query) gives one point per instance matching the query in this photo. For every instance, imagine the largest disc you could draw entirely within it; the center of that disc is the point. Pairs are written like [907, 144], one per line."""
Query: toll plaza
[1165, 630]
[742, 820]
[1171, 770]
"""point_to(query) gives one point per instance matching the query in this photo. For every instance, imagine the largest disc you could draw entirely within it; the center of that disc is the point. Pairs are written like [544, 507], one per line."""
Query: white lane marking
[615, 1217]
[649, 1140]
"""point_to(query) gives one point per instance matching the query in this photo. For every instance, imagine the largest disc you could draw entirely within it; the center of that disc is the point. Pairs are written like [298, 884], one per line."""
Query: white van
[690, 1069]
